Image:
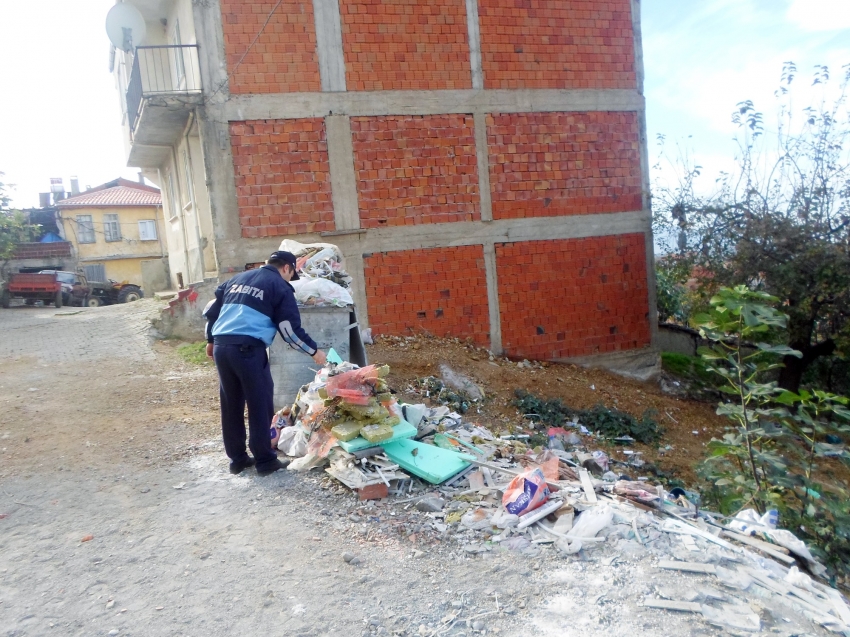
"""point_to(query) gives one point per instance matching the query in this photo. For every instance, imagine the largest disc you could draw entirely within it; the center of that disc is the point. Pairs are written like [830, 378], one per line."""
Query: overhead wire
[244, 55]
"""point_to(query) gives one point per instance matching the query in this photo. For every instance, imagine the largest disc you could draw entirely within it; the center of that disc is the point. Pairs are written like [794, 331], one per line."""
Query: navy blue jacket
[249, 308]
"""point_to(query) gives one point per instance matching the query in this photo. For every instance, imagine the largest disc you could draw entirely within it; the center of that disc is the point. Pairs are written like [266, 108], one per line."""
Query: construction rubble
[481, 492]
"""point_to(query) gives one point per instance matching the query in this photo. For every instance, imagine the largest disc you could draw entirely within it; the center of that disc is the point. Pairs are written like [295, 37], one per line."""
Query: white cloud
[820, 15]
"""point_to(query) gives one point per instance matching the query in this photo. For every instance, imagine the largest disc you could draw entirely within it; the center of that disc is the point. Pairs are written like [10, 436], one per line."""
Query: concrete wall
[183, 317]
[155, 276]
[481, 163]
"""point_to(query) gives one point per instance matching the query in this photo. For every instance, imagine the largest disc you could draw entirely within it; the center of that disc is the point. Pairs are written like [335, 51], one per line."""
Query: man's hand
[319, 357]
[210, 350]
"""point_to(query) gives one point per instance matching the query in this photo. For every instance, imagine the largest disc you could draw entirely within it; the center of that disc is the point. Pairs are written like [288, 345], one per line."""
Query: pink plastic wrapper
[355, 387]
[526, 492]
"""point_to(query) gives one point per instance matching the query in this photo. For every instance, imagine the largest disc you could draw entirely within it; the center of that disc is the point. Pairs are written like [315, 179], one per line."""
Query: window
[111, 227]
[85, 229]
[187, 167]
[96, 272]
[147, 230]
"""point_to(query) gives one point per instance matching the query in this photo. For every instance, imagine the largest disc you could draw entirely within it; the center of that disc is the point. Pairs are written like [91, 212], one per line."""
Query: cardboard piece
[425, 461]
[401, 431]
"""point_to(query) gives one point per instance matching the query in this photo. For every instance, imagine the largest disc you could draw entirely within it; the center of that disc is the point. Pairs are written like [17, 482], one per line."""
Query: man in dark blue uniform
[242, 320]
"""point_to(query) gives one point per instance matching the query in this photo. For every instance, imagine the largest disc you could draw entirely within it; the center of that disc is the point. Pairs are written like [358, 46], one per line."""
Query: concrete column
[329, 44]
[343, 178]
[493, 297]
[214, 134]
[483, 158]
[474, 31]
[645, 179]
[354, 265]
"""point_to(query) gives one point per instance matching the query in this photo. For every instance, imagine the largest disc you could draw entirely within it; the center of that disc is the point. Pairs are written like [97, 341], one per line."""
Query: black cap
[286, 257]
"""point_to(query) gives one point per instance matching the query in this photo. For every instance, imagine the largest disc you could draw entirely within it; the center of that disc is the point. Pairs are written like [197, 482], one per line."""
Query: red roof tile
[121, 192]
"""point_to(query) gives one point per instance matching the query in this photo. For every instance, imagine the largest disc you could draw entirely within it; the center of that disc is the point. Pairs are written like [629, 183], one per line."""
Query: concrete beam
[329, 44]
[376, 103]
[453, 234]
[343, 179]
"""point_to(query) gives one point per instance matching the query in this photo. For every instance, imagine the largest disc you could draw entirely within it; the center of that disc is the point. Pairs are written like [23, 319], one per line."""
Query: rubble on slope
[441, 480]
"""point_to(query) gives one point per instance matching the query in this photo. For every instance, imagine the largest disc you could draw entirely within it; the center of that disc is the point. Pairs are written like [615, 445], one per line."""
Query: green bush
[769, 456]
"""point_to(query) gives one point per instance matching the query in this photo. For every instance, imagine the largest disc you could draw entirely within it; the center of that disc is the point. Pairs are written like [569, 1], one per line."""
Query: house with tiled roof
[116, 231]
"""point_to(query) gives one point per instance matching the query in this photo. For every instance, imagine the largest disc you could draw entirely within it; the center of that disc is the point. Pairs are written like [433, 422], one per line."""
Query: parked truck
[31, 288]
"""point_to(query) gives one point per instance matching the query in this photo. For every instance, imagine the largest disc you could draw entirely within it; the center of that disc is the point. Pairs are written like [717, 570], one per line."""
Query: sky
[59, 112]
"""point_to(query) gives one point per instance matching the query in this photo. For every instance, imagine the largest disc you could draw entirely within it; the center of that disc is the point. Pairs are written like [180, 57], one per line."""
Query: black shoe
[238, 467]
[273, 466]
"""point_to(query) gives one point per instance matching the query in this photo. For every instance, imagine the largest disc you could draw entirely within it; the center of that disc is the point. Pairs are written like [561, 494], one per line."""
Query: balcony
[164, 86]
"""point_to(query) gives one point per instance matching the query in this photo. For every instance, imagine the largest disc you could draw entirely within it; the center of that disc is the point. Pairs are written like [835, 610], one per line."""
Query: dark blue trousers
[245, 377]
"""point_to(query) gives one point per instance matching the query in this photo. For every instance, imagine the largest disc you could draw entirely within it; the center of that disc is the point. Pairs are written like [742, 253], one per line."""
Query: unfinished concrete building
[481, 163]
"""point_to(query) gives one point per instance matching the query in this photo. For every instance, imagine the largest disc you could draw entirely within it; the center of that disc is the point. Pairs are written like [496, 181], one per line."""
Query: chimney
[75, 186]
[44, 200]
[141, 178]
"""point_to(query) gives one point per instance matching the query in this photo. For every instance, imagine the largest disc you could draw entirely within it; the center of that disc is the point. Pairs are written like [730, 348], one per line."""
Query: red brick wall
[282, 176]
[557, 44]
[550, 164]
[284, 57]
[573, 297]
[42, 250]
[413, 169]
[405, 44]
[441, 291]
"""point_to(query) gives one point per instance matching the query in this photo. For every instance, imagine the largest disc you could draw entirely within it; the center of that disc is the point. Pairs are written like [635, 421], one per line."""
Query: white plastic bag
[591, 522]
[292, 442]
[321, 292]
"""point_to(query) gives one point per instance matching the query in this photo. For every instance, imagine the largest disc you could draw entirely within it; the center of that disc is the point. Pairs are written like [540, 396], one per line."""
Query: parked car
[75, 287]
[32, 288]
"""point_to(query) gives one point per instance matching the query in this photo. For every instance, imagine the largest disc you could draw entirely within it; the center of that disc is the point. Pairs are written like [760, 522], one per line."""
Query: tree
[14, 228]
[780, 221]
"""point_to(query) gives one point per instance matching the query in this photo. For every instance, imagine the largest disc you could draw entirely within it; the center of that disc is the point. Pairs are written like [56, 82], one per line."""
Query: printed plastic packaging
[526, 492]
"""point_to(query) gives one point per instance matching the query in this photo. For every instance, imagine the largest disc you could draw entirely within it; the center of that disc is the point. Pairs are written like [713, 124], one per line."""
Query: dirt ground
[118, 515]
[688, 425]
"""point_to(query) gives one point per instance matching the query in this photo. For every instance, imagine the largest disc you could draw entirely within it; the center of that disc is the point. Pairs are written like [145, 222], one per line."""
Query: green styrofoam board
[401, 431]
[428, 462]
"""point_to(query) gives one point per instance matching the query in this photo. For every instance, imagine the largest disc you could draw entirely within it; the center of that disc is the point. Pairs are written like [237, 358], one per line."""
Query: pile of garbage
[485, 492]
[322, 280]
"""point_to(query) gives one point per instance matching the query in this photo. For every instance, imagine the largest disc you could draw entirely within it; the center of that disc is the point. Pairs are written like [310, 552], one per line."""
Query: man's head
[285, 262]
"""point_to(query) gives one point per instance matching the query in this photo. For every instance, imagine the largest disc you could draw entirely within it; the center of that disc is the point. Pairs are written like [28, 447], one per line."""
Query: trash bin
[330, 327]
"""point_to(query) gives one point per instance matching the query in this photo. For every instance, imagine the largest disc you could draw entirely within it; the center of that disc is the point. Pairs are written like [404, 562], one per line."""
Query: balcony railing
[161, 71]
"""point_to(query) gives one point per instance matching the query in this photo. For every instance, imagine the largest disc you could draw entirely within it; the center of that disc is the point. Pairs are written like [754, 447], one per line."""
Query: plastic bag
[748, 522]
[318, 260]
[592, 521]
[293, 442]
[526, 492]
[355, 387]
[316, 291]
[601, 459]
[274, 433]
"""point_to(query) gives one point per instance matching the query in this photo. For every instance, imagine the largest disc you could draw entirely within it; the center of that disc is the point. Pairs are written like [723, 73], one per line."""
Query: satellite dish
[125, 27]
